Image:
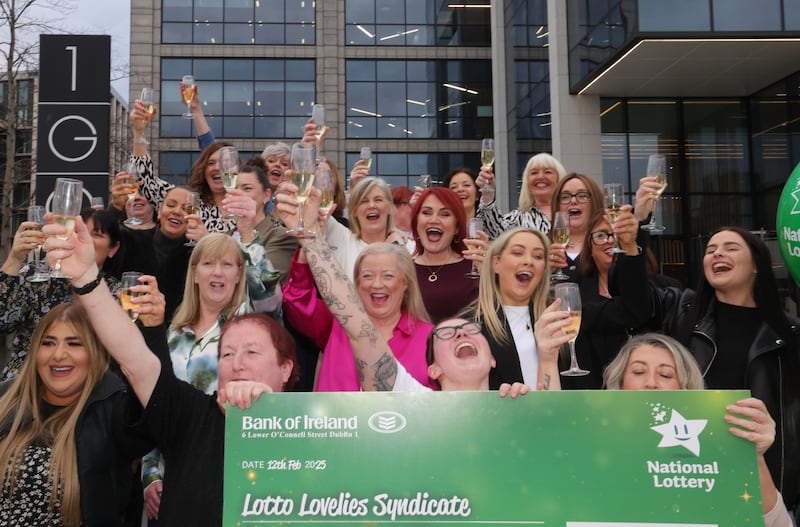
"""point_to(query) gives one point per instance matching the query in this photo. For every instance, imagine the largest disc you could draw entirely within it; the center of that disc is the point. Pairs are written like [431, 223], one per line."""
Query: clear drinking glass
[129, 279]
[191, 205]
[570, 296]
[304, 156]
[614, 198]
[487, 155]
[132, 180]
[473, 226]
[323, 180]
[188, 89]
[656, 167]
[97, 202]
[559, 233]
[148, 98]
[366, 156]
[67, 201]
[424, 181]
[40, 274]
[229, 169]
[318, 116]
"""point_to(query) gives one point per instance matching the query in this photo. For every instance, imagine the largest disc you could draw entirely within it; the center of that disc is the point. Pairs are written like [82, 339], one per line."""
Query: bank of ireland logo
[679, 431]
[387, 422]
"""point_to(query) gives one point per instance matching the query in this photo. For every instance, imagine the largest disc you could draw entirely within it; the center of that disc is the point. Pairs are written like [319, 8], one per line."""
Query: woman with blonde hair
[541, 174]
[653, 361]
[512, 295]
[385, 279]
[65, 451]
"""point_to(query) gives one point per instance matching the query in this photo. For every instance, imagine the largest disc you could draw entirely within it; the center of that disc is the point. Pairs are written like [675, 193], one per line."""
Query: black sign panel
[74, 110]
[74, 68]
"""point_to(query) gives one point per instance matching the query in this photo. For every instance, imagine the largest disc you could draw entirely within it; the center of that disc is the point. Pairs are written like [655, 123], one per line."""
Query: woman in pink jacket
[386, 281]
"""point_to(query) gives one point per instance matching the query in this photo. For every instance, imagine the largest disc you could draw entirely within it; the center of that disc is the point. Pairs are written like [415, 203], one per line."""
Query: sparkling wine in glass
[304, 157]
[132, 180]
[560, 235]
[487, 155]
[473, 226]
[323, 180]
[36, 215]
[229, 169]
[366, 156]
[129, 280]
[66, 204]
[614, 199]
[318, 116]
[188, 89]
[570, 296]
[191, 206]
[656, 167]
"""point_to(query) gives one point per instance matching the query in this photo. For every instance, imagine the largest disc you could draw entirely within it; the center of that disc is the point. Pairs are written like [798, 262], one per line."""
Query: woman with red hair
[439, 225]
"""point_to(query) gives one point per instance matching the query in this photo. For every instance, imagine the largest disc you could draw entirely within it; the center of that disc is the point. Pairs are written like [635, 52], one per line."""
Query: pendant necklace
[432, 277]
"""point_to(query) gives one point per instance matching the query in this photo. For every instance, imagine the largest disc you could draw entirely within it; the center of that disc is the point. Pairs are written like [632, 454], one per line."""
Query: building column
[575, 118]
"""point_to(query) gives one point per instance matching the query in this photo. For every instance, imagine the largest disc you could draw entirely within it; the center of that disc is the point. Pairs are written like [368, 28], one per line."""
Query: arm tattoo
[385, 373]
[546, 384]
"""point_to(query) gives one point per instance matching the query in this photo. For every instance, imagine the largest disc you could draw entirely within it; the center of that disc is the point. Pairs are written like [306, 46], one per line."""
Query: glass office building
[712, 84]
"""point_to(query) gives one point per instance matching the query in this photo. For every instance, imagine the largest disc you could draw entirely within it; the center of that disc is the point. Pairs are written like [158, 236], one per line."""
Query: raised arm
[377, 366]
[122, 339]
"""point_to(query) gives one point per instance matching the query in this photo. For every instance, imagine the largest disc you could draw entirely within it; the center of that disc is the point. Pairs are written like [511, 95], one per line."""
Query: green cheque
[579, 459]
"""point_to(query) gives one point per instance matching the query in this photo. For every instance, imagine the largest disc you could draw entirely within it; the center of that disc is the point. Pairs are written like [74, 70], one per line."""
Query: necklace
[520, 316]
[432, 277]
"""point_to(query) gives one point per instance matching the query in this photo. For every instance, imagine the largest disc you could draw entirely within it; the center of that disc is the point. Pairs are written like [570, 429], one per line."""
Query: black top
[736, 329]
[189, 428]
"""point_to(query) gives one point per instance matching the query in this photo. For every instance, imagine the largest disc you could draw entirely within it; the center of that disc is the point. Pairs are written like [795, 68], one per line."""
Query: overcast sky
[106, 17]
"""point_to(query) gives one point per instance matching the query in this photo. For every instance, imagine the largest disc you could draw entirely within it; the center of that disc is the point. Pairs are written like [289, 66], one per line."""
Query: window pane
[176, 10]
[746, 15]
[172, 33]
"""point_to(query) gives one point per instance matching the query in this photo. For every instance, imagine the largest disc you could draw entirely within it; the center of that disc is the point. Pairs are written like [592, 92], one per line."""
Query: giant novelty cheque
[471, 458]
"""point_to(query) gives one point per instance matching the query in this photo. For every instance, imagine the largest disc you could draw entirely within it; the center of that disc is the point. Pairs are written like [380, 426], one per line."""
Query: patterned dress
[495, 223]
[155, 189]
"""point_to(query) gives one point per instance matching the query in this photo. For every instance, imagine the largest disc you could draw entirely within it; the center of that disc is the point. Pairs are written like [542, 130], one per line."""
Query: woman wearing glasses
[609, 311]
[581, 197]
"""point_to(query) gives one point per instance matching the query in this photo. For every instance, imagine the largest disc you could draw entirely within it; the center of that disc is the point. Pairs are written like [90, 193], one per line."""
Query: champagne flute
[424, 181]
[323, 180]
[560, 235]
[570, 296]
[97, 202]
[36, 215]
[229, 169]
[67, 201]
[487, 155]
[188, 89]
[614, 199]
[318, 116]
[148, 98]
[129, 279]
[191, 205]
[366, 156]
[656, 167]
[473, 226]
[303, 170]
[132, 180]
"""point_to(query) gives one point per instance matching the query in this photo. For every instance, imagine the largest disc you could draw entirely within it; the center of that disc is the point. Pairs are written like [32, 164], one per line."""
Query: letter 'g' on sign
[91, 141]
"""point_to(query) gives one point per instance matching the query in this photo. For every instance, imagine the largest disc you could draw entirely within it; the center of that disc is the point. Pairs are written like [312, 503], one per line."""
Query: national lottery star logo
[680, 431]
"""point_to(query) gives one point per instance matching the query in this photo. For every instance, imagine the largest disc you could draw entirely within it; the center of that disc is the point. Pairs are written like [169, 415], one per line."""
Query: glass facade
[419, 99]
[600, 29]
[404, 168]
[242, 98]
[237, 22]
[530, 23]
[416, 23]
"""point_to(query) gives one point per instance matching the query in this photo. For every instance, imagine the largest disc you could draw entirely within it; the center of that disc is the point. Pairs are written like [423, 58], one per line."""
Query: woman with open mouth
[580, 197]
[386, 283]
[441, 257]
[607, 318]
[736, 328]
[514, 286]
[541, 174]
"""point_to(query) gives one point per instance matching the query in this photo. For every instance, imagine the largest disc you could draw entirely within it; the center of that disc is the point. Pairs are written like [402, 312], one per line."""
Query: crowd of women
[392, 263]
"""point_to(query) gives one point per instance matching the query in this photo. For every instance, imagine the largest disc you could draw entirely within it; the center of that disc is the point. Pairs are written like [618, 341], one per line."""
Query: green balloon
[788, 223]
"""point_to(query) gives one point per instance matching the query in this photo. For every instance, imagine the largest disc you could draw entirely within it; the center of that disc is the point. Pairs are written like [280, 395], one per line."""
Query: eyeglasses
[448, 332]
[602, 237]
[582, 197]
